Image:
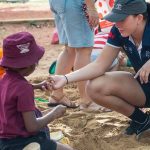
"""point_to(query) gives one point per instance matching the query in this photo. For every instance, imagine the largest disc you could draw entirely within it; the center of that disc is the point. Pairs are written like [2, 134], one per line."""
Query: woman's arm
[96, 68]
[92, 70]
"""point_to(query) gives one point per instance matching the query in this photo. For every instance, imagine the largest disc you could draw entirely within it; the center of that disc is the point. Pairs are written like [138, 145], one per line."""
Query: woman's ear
[140, 18]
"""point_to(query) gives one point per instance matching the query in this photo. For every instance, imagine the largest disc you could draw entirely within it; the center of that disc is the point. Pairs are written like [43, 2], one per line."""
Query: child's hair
[20, 50]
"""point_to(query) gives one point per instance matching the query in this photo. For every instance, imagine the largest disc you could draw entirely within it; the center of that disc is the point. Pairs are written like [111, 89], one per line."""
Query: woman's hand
[57, 81]
[144, 73]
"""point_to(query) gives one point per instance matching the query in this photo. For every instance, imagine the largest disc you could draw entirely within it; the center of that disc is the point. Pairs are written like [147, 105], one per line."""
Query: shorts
[72, 25]
[19, 143]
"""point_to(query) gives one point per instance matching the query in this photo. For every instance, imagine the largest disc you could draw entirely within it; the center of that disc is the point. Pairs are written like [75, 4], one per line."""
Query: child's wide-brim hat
[20, 50]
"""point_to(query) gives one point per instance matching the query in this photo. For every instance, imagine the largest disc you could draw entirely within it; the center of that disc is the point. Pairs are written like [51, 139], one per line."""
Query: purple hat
[20, 50]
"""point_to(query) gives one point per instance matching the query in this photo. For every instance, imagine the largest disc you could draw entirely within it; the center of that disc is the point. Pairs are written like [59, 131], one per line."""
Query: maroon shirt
[16, 96]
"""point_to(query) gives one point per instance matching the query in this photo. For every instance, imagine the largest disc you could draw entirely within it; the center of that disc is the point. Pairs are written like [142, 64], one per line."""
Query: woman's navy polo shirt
[116, 40]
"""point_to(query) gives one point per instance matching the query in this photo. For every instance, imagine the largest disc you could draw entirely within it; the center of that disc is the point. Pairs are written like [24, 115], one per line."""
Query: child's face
[27, 71]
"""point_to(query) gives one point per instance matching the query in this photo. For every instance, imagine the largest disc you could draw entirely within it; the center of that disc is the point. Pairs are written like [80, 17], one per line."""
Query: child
[19, 125]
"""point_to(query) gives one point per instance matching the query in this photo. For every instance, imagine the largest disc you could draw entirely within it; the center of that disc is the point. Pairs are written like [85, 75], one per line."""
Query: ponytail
[148, 9]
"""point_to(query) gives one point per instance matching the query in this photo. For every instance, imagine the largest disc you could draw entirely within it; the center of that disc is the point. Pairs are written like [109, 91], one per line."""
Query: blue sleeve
[114, 38]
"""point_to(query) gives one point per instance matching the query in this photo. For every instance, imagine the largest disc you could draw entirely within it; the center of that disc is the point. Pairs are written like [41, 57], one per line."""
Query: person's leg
[64, 65]
[63, 147]
[76, 33]
[66, 58]
[118, 91]
[81, 60]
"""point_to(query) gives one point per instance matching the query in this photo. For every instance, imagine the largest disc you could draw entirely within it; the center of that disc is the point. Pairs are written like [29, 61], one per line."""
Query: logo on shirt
[24, 48]
[130, 50]
[118, 6]
[111, 35]
[147, 54]
[125, 48]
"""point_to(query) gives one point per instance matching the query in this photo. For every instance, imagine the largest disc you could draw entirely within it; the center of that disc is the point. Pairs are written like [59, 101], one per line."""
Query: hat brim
[24, 61]
[115, 17]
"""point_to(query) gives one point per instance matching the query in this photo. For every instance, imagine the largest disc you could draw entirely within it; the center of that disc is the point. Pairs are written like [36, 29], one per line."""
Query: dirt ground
[31, 9]
[85, 130]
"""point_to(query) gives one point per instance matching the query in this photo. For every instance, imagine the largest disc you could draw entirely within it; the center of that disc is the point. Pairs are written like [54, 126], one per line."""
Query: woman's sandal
[61, 101]
[91, 106]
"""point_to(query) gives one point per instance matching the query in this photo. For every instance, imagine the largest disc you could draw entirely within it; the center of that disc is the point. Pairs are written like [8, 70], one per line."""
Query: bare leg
[118, 91]
[64, 65]
[81, 60]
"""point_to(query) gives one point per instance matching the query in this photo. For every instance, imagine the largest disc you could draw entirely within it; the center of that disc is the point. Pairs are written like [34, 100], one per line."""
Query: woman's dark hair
[146, 14]
[148, 9]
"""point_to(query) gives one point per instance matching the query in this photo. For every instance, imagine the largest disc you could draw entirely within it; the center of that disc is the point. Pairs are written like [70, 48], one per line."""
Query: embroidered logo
[24, 48]
[130, 50]
[118, 7]
[111, 35]
[125, 47]
[147, 54]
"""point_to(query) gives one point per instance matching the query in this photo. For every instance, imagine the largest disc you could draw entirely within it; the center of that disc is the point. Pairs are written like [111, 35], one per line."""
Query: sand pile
[85, 130]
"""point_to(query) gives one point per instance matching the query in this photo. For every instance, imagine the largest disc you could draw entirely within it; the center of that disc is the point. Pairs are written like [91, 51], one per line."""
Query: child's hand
[57, 81]
[58, 111]
[44, 86]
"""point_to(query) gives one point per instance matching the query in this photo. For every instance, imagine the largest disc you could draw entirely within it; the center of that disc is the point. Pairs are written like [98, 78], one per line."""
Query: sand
[85, 130]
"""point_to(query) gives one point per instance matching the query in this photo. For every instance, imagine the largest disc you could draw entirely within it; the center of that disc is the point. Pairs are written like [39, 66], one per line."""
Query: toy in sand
[32, 146]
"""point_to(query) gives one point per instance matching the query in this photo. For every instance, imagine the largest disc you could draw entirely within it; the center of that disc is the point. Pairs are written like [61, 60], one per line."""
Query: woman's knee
[95, 89]
[101, 86]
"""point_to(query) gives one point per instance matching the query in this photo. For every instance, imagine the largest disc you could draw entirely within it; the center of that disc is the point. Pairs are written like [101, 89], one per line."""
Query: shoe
[144, 126]
[54, 101]
[138, 128]
[131, 129]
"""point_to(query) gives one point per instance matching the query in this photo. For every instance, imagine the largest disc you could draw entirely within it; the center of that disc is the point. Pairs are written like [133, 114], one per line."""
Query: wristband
[66, 79]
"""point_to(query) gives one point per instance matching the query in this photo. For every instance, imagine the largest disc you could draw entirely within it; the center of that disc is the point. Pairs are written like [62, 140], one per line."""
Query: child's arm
[42, 86]
[34, 124]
